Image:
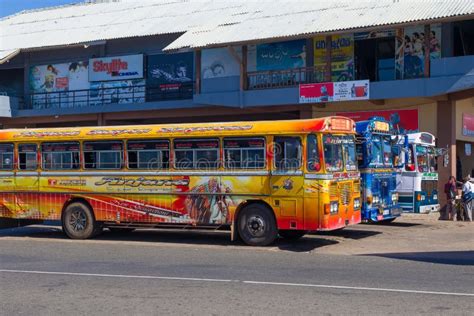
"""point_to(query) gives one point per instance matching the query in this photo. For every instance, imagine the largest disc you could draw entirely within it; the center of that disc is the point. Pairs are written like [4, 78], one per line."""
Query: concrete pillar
[446, 132]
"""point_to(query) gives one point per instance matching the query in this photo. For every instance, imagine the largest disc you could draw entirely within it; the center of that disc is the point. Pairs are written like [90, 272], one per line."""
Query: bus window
[60, 156]
[196, 154]
[148, 154]
[287, 153]
[333, 153]
[6, 156]
[103, 155]
[313, 162]
[27, 155]
[244, 153]
[350, 155]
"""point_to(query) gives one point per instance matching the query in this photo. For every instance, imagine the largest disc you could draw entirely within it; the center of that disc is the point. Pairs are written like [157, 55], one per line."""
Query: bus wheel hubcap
[78, 220]
[256, 226]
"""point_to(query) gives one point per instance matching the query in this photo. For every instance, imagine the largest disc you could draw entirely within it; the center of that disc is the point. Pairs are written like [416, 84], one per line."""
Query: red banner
[402, 120]
[468, 124]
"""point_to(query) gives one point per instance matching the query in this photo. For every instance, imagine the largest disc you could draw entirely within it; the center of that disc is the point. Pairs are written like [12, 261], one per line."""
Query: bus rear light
[327, 209]
[411, 167]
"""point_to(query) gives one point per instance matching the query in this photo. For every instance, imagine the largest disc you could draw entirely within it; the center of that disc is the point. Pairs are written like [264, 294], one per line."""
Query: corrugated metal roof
[211, 22]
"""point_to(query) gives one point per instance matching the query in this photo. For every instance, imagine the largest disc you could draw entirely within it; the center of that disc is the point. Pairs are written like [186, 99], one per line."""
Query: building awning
[7, 55]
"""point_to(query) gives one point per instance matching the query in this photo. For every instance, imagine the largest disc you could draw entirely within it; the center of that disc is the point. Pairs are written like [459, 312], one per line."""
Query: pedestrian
[467, 198]
[450, 190]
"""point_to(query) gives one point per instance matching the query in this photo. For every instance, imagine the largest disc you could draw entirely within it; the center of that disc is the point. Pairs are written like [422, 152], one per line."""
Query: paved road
[161, 272]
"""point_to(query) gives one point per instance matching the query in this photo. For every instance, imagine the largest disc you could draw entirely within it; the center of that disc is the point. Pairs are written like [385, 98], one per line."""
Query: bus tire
[292, 234]
[78, 221]
[256, 225]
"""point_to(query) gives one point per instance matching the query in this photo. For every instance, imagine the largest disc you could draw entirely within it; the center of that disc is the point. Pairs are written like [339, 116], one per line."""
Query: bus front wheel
[78, 221]
[256, 225]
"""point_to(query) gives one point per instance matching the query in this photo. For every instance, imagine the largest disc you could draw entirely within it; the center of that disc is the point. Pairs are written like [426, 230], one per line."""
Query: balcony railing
[285, 78]
[107, 96]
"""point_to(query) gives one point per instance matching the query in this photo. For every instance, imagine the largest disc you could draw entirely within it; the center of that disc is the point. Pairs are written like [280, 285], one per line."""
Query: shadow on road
[349, 233]
[394, 224]
[188, 237]
[464, 258]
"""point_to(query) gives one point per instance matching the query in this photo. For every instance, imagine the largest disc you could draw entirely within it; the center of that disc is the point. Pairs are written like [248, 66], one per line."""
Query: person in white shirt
[468, 198]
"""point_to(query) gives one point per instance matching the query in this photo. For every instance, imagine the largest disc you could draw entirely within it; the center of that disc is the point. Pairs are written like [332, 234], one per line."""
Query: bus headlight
[435, 196]
[423, 197]
[334, 207]
[394, 197]
[376, 199]
[356, 203]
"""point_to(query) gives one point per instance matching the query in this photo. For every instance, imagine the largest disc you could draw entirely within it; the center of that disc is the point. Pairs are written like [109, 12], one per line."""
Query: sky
[8, 7]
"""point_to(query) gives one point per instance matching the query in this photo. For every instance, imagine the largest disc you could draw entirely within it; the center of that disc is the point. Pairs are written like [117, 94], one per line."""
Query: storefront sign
[374, 34]
[342, 56]
[334, 91]
[170, 72]
[116, 68]
[219, 62]
[404, 121]
[468, 124]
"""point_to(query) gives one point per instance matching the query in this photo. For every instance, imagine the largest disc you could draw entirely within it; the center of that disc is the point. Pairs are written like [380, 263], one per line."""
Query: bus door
[287, 182]
[27, 182]
[7, 180]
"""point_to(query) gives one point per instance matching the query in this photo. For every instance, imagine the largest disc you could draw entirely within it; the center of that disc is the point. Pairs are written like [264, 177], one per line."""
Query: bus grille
[356, 186]
[345, 190]
[333, 192]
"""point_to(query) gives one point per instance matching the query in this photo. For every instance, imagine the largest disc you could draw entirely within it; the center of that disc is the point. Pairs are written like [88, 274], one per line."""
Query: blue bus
[378, 175]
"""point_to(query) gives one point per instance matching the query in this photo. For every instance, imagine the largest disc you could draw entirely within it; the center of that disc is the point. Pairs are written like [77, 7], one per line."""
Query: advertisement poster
[374, 34]
[219, 62]
[334, 91]
[117, 92]
[277, 56]
[170, 72]
[468, 124]
[404, 121]
[116, 68]
[410, 45]
[53, 85]
[342, 56]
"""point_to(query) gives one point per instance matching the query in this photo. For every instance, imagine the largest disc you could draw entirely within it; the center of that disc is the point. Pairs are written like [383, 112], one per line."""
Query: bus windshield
[425, 158]
[381, 151]
[337, 150]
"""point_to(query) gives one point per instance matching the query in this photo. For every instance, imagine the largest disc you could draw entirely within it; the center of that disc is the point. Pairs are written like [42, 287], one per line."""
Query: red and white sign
[402, 120]
[334, 91]
[468, 124]
[116, 68]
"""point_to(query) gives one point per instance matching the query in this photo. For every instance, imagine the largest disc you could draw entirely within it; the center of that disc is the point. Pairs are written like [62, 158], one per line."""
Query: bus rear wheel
[78, 222]
[256, 225]
[292, 234]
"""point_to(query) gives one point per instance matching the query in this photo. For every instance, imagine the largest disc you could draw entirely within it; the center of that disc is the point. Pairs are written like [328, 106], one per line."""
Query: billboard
[468, 124]
[170, 72]
[219, 62]
[342, 56]
[277, 56]
[116, 68]
[334, 91]
[402, 120]
[410, 50]
[55, 85]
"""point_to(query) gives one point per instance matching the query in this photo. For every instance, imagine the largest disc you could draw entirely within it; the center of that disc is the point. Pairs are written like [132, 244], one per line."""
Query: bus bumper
[377, 215]
[425, 209]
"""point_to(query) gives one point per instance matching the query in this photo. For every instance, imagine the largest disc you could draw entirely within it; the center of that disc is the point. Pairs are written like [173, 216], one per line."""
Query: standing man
[467, 198]
[450, 190]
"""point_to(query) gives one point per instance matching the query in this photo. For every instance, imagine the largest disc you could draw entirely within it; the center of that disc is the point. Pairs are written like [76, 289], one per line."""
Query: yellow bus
[258, 179]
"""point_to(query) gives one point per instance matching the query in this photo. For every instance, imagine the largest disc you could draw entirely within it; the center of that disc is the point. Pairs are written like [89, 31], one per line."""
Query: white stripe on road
[151, 277]
[359, 288]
